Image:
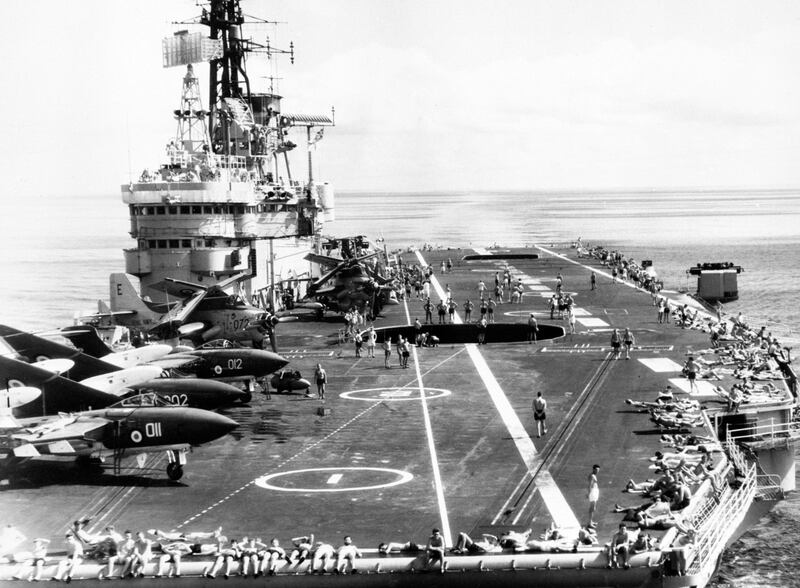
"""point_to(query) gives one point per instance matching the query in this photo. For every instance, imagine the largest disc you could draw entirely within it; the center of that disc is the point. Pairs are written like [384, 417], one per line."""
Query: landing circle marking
[326, 475]
[393, 394]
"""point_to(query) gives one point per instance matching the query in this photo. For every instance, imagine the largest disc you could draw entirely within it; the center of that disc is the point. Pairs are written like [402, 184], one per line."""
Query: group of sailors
[127, 554]
[625, 268]
[736, 350]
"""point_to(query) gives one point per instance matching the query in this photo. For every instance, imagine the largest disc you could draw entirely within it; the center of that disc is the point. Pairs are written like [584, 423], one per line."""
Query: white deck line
[437, 476]
[554, 500]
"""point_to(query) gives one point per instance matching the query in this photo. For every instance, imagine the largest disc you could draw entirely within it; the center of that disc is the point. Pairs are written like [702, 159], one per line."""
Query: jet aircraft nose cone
[271, 362]
[211, 425]
[227, 393]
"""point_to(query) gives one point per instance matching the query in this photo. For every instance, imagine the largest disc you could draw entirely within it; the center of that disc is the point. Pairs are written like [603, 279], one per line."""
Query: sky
[430, 95]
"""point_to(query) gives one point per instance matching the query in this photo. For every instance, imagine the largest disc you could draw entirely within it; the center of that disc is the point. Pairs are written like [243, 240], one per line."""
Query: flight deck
[449, 442]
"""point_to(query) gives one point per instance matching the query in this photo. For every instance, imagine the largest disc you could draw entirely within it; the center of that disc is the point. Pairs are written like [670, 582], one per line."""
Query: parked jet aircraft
[195, 392]
[216, 359]
[199, 313]
[143, 423]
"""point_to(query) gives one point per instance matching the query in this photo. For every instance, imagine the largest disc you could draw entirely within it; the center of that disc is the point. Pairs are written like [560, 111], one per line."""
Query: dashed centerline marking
[335, 478]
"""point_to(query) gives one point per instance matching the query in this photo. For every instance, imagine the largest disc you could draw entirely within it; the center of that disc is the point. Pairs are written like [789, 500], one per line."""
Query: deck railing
[766, 432]
[714, 529]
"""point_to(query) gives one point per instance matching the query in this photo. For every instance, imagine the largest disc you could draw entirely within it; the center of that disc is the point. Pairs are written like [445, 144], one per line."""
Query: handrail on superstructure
[771, 430]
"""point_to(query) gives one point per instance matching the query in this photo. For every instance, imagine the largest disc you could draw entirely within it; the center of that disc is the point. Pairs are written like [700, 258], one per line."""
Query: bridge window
[186, 243]
[174, 243]
[186, 209]
[172, 209]
[197, 210]
[149, 210]
[160, 210]
[152, 243]
[208, 210]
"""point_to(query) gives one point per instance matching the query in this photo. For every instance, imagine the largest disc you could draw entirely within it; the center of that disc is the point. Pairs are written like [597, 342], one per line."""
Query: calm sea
[57, 254]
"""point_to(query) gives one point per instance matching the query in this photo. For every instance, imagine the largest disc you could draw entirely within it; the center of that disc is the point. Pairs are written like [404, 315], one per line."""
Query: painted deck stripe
[335, 478]
[553, 499]
[704, 387]
[437, 476]
[591, 322]
[660, 364]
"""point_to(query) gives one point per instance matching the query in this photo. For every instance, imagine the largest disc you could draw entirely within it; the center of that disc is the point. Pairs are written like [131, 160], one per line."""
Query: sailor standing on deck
[322, 378]
[627, 338]
[533, 329]
[539, 414]
[593, 492]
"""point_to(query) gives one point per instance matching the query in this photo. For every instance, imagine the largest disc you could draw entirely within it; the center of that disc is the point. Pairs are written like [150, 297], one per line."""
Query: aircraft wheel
[247, 397]
[85, 461]
[174, 471]
[320, 312]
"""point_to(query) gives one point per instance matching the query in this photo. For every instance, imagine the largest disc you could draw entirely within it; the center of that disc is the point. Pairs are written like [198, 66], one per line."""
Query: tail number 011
[152, 429]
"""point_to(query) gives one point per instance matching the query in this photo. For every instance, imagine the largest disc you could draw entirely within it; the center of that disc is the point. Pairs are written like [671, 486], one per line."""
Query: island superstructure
[226, 200]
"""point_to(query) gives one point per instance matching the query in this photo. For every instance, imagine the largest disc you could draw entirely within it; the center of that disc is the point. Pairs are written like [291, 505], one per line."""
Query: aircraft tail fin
[57, 394]
[85, 338]
[122, 295]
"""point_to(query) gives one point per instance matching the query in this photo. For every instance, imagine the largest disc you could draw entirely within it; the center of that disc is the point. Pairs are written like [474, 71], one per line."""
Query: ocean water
[57, 253]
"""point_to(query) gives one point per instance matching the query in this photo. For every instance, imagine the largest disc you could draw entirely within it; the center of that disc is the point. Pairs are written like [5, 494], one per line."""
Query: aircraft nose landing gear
[176, 459]
[174, 471]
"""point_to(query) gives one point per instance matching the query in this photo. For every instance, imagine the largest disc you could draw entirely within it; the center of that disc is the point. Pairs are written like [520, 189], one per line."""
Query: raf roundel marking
[136, 436]
[354, 479]
[393, 394]
[217, 369]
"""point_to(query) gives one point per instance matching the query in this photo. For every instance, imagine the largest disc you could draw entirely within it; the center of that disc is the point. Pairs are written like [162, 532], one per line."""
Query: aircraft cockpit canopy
[219, 344]
[149, 399]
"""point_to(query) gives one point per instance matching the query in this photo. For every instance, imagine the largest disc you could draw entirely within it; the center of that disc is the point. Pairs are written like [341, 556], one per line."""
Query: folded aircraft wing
[323, 259]
[57, 435]
[178, 315]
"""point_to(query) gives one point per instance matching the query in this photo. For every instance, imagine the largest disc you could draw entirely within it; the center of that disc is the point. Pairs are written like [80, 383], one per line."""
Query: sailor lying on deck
[487, 544]
[676, 420]
[683, 405]
[408, 548]
[513, 539]
[194, 536]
